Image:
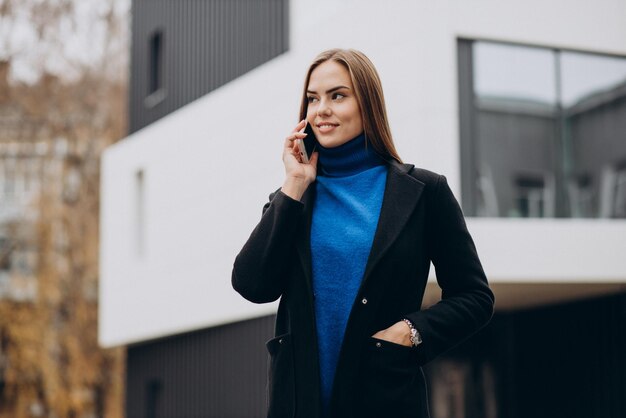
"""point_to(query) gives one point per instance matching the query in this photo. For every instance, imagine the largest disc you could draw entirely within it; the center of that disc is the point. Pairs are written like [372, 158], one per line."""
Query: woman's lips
[325, 128]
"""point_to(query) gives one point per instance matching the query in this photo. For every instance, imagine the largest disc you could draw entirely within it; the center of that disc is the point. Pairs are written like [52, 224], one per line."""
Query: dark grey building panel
[202, 45]
[218, 372]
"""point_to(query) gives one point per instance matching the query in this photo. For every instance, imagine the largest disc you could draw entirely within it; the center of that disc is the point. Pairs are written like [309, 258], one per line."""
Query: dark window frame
[467, 119]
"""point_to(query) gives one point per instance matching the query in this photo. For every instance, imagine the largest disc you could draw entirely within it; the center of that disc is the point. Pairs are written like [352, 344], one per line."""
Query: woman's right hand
[298, 174]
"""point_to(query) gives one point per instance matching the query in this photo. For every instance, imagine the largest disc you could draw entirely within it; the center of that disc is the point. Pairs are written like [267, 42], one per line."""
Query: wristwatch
[416, 338]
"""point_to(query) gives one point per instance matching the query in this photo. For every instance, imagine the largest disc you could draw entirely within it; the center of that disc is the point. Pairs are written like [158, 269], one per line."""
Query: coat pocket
[280, 382]
[391, 382]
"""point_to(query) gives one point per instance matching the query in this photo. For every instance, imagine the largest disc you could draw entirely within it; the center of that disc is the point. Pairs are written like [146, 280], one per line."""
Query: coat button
[280, 341]
[364, 301]
[379, 345]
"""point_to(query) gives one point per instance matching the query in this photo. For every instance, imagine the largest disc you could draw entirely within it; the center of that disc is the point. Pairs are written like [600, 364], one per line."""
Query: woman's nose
[323, 108]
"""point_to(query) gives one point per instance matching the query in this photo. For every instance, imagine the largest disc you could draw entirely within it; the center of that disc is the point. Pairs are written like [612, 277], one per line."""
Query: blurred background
[63, 100]
[139, 140]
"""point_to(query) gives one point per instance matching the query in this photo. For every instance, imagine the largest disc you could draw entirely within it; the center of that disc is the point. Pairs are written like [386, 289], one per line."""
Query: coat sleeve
[466, 302]
[260, 268]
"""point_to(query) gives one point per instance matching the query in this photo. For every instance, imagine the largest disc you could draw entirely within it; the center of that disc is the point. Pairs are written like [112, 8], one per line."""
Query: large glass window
[543, 131]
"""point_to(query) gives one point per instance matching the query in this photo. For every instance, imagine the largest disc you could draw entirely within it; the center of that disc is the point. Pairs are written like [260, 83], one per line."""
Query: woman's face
[333, 110]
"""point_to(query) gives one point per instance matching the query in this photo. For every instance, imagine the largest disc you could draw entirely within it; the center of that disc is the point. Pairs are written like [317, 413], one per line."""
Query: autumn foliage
[50, 361]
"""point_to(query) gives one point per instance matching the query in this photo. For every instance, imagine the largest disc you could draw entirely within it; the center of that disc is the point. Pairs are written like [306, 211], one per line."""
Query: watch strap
[416, 337]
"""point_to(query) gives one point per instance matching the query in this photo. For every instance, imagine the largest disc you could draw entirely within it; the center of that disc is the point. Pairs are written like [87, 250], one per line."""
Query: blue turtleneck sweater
[349, 194]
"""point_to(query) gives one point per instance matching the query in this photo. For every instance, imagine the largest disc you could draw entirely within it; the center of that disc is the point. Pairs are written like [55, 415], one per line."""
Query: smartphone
[307, 145]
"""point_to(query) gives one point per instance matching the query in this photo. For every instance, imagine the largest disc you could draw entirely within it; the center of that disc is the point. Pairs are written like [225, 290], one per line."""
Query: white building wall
[209, 167]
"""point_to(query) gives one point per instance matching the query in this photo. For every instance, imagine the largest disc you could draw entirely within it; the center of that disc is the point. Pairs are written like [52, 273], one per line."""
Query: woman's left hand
[398, 333]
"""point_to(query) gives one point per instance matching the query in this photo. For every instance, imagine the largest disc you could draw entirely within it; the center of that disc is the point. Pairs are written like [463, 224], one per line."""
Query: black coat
[420, 221]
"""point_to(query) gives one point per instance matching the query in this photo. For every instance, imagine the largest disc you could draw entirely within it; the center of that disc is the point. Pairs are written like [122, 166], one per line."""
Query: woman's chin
[331, 141]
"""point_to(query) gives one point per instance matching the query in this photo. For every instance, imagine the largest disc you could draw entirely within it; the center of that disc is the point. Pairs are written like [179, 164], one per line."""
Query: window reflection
[547, 132]
[594, 96]
[514, 74]
[586, 75]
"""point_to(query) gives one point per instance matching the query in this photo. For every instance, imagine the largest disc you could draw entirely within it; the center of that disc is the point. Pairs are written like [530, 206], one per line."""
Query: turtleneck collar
[348, 159]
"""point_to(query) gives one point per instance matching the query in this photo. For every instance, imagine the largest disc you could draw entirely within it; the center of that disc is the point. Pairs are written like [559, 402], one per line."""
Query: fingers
[292, 149]
[296, 151]
[291, 141]
[296, 134]
[292, 137]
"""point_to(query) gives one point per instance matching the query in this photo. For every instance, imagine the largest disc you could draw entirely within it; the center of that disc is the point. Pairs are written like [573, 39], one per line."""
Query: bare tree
[74, 103]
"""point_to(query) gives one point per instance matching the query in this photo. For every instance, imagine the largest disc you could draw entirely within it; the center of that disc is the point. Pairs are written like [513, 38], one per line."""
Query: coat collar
[402, 192]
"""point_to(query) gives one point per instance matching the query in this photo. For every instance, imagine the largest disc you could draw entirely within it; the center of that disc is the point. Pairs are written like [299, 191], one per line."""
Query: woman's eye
[311, 99]
[337, 96]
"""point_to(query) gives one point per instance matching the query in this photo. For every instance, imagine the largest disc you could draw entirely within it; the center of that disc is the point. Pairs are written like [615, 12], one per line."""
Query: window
[534, 196]
[153, 397]
[543, 131]
[139, 212]
[156, 60]
[613, 187]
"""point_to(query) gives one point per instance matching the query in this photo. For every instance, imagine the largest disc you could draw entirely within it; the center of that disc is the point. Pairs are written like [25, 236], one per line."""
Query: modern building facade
[521, 105]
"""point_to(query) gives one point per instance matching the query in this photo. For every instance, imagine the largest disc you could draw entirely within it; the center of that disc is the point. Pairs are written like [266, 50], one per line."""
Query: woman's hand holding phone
[298, 173]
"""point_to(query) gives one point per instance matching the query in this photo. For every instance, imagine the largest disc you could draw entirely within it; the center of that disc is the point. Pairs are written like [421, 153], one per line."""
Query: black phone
[308, 144]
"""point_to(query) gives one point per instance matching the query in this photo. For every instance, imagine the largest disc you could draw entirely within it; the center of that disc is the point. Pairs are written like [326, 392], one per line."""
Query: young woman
[346, 244]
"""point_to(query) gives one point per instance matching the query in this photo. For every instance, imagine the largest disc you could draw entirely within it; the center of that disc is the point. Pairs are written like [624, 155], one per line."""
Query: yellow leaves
[50, 361]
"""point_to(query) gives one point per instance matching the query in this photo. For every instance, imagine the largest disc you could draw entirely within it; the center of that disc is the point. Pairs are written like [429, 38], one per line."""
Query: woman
[346, 243]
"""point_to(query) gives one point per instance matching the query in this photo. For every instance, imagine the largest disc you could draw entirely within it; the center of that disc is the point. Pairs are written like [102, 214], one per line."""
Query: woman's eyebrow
[330, 90]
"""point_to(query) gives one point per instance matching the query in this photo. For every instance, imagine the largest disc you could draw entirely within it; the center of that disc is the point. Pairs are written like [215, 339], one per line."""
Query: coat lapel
[402, 192]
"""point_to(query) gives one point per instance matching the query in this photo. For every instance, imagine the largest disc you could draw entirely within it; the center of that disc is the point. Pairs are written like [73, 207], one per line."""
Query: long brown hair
[369, 94]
